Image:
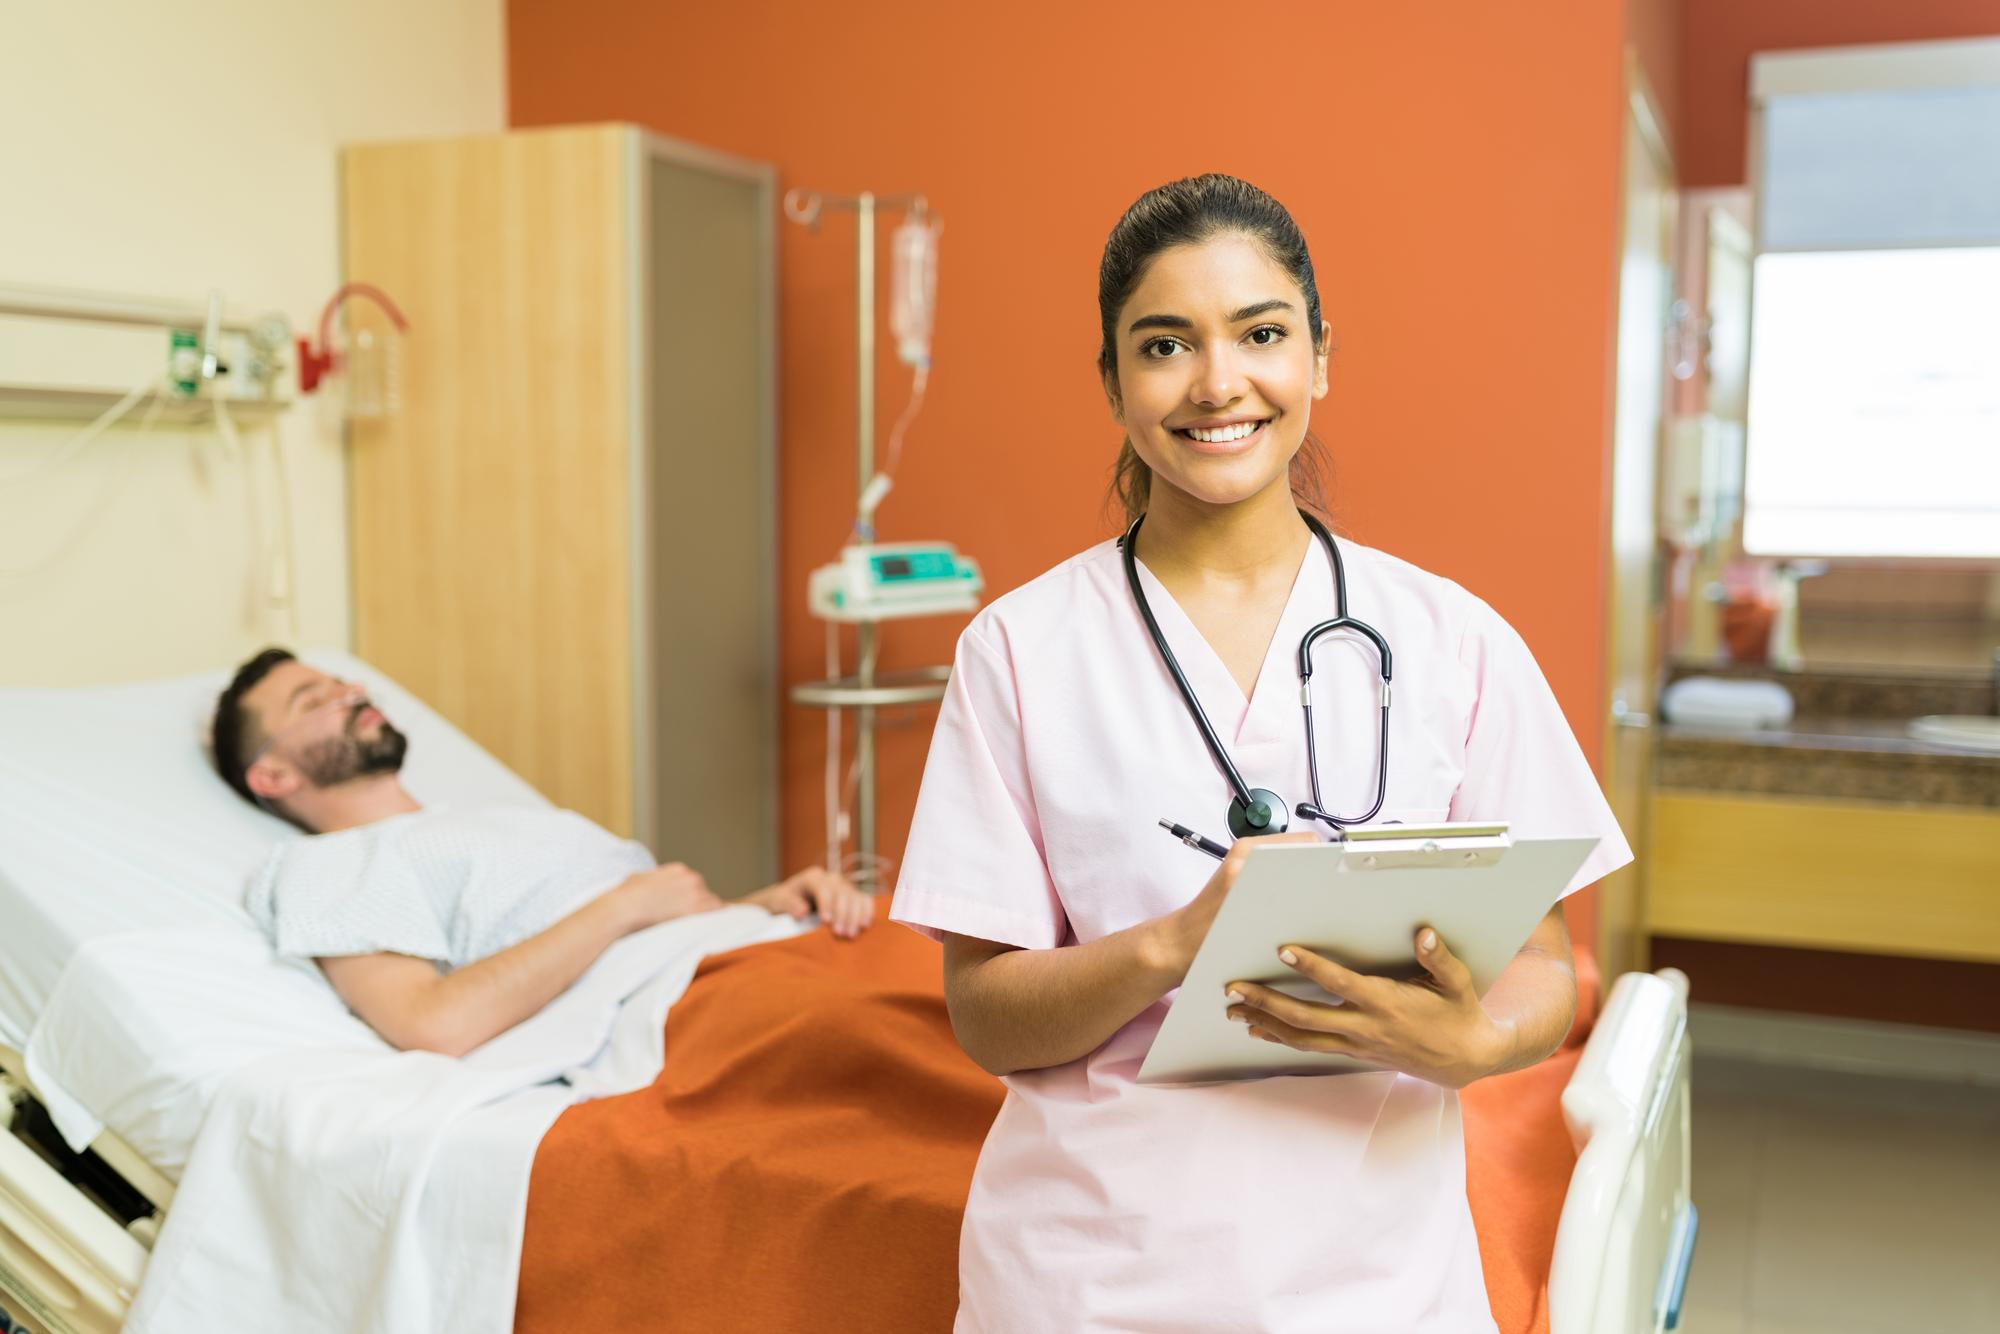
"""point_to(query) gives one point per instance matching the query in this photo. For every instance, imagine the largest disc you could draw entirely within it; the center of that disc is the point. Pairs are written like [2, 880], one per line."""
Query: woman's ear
[1322, 352]
[1112, 396]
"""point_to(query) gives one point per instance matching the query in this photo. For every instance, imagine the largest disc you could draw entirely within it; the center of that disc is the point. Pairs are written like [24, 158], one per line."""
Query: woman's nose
[1218, 379]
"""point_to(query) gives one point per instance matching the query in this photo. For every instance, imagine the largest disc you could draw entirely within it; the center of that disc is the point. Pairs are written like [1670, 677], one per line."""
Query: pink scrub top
[1322, 1204]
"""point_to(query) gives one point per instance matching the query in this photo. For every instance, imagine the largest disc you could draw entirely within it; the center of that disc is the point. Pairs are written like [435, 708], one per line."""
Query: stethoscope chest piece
[1264, 814]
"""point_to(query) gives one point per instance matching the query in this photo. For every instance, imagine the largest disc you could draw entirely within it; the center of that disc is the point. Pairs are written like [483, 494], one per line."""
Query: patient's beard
[344, 758]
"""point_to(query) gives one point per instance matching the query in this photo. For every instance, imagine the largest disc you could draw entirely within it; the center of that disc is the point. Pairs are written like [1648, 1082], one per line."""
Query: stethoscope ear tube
[1343, 622]
[1310, 810]
[1245, 798]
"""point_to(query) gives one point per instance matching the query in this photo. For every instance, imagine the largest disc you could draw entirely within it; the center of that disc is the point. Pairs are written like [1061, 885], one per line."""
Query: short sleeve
[348, 893]
[1522, 763]
[974, 865]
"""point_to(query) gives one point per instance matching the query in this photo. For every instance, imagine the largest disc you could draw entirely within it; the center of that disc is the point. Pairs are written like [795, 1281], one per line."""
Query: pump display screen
[907, 566]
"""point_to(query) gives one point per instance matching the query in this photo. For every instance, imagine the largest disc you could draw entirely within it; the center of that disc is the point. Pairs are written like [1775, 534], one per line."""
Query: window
[1875, 404]
[1874, 396]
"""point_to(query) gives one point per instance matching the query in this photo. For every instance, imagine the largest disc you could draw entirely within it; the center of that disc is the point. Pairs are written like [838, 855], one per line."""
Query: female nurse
[1069, 917]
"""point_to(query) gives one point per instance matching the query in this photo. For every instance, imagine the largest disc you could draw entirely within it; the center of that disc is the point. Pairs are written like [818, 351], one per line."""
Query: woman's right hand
[666, 892]
[1185, 928]
[1027, 1009]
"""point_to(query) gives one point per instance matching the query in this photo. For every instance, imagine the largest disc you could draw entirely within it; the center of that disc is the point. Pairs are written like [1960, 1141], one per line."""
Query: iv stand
[864, 692]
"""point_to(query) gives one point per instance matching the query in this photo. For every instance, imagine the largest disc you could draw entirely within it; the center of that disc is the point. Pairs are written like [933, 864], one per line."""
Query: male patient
[441, 927]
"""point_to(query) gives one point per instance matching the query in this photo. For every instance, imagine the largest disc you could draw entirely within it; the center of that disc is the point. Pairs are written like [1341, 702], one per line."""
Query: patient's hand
[666, 892]
[846, 911]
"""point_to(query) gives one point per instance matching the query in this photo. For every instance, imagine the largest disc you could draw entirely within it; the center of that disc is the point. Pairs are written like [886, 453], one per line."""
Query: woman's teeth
[1222, 434]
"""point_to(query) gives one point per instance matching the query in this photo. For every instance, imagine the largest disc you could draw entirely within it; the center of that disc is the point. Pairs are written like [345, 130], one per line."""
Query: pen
[1194, 840]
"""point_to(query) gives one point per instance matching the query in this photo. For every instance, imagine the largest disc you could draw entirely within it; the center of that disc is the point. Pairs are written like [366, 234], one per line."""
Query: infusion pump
[881, 582]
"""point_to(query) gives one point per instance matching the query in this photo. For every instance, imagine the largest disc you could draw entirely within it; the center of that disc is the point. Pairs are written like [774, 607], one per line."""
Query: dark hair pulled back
[1188, 212]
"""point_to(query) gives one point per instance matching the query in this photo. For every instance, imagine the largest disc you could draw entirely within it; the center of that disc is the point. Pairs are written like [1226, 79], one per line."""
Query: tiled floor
[1843, 1204]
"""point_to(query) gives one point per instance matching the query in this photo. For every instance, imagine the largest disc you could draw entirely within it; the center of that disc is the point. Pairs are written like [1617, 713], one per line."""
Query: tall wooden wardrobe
[565, 538]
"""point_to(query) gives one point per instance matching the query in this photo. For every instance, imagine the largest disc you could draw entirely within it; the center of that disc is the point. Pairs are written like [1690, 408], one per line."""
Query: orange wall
[1719, 37]
[1455, 170]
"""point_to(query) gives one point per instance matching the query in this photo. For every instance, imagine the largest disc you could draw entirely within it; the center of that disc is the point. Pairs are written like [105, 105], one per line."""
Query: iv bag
[913, 288]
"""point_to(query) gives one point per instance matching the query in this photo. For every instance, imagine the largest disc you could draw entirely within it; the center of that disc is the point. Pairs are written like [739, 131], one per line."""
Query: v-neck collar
[1277, 679]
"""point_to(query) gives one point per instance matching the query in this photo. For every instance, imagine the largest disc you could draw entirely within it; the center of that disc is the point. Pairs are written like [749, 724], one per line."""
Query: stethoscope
[1257, 811]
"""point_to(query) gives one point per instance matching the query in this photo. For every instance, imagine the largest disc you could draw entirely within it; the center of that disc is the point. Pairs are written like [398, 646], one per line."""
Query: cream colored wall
[164, 150]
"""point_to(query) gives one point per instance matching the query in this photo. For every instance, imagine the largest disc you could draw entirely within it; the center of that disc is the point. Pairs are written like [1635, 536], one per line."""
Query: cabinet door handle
[1624, 715]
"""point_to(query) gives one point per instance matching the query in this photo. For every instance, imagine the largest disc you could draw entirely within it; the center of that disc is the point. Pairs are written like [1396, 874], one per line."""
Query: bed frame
[70, 1262]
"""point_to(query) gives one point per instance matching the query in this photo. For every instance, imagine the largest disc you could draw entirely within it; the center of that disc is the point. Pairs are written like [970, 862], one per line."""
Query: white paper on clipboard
[1360, 903]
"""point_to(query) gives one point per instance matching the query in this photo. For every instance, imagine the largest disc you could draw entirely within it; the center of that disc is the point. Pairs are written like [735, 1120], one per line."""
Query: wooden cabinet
[1840, 875]
[565, 538]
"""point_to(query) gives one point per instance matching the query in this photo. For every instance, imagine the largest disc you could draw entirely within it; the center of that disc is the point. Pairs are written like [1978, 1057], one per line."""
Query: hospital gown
[447, 885]
[1283, 1204]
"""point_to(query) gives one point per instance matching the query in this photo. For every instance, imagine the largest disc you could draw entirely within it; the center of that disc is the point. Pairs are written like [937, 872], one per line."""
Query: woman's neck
[1185, 540]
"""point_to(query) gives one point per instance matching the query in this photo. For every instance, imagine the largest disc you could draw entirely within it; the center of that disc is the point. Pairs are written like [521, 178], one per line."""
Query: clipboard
[1360, 902]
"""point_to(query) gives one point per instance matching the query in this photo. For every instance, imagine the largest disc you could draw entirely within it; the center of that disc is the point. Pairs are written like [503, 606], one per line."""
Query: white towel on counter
[352, 1188]
[1721, 702]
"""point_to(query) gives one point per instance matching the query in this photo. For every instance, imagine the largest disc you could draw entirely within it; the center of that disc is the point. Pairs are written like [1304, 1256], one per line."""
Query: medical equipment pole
[901, 579]
[864, 721]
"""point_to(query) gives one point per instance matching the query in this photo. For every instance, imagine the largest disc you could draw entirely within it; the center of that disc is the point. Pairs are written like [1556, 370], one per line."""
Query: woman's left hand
[1432, 1027]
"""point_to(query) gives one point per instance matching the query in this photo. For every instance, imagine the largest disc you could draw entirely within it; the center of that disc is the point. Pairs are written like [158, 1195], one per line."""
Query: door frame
[1621, 940]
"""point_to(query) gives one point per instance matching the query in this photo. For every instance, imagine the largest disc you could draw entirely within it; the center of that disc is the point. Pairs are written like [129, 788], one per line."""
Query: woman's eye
[1266, 334]
[1159, 347]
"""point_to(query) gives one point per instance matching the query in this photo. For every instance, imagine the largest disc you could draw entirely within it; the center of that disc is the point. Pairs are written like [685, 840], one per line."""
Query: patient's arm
[411, 1005]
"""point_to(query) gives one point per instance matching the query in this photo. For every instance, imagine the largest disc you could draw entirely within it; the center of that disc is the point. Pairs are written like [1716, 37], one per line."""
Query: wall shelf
[72, 354]
[33, 402]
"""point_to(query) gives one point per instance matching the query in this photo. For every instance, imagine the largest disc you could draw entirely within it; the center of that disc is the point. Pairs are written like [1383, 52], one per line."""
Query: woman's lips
[1223, 448]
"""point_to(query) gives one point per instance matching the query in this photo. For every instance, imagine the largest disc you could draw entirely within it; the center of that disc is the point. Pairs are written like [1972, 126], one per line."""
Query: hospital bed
[111, 824]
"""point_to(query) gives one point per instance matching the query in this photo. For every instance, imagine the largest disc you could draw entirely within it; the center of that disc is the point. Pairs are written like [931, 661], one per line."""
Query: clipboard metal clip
[1386, 847]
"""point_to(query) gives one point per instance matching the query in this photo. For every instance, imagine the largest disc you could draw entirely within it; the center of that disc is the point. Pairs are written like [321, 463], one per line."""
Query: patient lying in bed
[439, 927]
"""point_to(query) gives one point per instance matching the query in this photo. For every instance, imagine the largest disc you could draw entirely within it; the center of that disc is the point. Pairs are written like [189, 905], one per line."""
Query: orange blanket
[801, 1163]
[803, 1159]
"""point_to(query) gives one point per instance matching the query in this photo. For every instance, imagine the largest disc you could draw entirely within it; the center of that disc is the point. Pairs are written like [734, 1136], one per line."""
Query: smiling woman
[1255, 234]
[1068, 920]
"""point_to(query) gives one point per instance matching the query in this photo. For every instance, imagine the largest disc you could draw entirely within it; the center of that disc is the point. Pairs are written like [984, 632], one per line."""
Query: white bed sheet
[339, 1186]
[146, 1027]
[112, 819]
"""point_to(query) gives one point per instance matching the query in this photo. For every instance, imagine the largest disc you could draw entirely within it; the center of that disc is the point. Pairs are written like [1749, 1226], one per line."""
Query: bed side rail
[1627, 1232]
[64, 1264]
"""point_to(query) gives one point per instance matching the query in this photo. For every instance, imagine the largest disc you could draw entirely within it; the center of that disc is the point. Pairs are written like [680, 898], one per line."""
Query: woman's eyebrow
[1260, 308]
[1248, 312]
